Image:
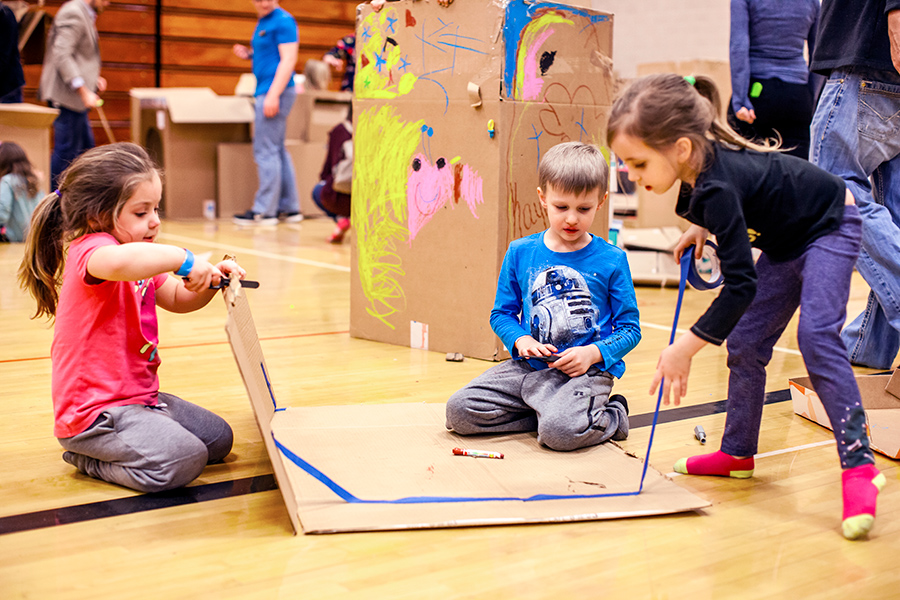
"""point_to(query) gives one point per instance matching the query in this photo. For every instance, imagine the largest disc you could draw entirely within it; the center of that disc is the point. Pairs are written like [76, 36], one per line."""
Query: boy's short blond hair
[574, 167]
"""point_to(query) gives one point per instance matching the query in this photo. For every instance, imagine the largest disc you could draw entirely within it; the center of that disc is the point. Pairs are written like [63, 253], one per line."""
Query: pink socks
[860, 486]
[717, 463]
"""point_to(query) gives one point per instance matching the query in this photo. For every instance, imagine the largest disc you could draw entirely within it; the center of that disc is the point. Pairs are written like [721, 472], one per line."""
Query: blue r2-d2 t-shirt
[567, 299]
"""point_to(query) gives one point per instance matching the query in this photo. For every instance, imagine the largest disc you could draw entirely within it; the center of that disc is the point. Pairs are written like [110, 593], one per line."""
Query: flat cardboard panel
[398, 451]
[447, 141]
[394, 451]
[882, 410]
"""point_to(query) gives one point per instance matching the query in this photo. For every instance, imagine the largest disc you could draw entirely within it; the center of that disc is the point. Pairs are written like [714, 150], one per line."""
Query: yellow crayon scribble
[382, 71]
[384, 145]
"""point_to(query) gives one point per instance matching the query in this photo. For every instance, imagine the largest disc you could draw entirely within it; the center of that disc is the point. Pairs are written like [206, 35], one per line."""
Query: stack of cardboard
[454, 109]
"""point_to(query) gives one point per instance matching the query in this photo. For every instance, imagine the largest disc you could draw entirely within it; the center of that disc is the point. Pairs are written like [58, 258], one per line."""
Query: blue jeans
[317, 198]
[277, 183]
[72, 135]
[819, 283]
[856, 136]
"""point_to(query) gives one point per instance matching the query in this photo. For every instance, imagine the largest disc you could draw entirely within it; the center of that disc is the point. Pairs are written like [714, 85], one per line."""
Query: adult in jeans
[771, 89]
[856, 136]
[274, 53]
[70, 80]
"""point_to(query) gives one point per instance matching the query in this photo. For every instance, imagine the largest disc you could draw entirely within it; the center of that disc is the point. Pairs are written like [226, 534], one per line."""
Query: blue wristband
[185, 269]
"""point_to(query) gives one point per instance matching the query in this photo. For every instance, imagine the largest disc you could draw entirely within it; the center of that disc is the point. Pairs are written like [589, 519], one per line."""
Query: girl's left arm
[175, 297]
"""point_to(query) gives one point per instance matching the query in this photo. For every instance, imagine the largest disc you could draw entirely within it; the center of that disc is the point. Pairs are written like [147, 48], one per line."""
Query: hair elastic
[185, 269]
[56, 191]
[690, 79]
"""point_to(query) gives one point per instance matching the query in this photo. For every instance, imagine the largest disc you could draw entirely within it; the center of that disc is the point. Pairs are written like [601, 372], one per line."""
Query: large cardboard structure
[454, 108]
[381, 467]
[29, 125]
[182, 128]
[881, 402]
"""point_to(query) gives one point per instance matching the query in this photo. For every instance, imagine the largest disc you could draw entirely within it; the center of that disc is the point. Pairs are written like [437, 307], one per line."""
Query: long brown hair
[92, 192]
[660, 109]
[13, 159]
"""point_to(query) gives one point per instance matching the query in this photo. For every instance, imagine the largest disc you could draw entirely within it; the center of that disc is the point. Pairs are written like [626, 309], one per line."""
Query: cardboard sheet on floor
[400, 451]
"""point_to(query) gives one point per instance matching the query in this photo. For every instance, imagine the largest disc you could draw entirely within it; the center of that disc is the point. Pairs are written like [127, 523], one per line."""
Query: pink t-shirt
[104, 342]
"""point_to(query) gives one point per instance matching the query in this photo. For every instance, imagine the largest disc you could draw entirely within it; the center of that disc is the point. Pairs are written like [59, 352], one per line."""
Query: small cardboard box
[454, 109]
[182, 128]
[881, 402]
[29, 125]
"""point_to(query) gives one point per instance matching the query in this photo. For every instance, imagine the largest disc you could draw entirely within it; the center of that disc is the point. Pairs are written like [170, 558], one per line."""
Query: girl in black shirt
[666, 128]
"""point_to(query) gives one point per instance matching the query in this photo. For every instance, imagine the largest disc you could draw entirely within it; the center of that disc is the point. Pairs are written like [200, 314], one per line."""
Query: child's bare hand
[202, 274]
[241, 51]
[695, 235]
[577, 360]
[672, 369]
[529, 347]
[377, 5]
[227, 267]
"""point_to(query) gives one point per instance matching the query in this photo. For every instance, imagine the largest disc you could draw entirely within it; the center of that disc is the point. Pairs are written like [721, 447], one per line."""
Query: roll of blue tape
[708, 263]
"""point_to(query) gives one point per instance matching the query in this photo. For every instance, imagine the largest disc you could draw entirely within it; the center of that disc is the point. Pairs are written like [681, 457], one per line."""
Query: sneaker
[290, 217]
[337, 236]
[252, 218]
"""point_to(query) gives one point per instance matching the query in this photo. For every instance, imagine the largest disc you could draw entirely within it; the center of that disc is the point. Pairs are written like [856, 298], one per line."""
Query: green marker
[755, 89]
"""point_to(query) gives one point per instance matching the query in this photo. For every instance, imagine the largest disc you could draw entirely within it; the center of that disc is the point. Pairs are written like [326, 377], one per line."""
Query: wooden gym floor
[228, 535]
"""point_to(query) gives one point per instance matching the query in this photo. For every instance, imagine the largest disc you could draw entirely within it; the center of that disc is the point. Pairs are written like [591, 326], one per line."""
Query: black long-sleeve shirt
[853, 32]
[768, 200]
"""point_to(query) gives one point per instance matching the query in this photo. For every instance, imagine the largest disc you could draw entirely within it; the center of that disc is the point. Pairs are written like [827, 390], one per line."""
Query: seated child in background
[18, 191]
[331, 195]
[566, 309]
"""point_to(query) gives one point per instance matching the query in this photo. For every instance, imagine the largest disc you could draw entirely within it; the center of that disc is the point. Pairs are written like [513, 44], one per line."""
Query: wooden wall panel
[191, 46]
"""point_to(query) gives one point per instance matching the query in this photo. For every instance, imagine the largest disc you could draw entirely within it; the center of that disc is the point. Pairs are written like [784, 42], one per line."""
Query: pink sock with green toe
[860, 487]
[717, 463]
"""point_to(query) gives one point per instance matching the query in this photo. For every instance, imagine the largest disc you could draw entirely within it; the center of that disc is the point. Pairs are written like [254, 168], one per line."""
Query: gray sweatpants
[567, 412]
[150, 448]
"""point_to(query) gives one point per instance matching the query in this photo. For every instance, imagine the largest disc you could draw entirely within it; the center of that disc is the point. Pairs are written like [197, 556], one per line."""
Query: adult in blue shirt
[856, 133]
[771, 92]
[274, 53]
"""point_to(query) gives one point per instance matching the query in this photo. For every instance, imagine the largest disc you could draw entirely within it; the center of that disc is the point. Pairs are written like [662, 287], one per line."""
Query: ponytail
[41, 270]
[719, 128]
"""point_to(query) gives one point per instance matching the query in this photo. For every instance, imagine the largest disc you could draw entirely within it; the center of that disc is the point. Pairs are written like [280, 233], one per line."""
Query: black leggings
[785, 108]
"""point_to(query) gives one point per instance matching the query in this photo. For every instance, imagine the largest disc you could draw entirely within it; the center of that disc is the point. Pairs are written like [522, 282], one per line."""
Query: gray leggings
[567, 412]
[150, 448]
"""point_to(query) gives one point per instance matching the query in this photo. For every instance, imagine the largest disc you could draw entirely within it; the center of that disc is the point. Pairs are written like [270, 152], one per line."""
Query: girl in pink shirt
[96, 235]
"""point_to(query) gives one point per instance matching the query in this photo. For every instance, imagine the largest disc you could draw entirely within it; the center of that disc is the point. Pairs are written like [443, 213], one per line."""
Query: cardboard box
[881, 402]
[29, 125]
[453, 110]
[238, 180]
[182, 128]
[383, 467]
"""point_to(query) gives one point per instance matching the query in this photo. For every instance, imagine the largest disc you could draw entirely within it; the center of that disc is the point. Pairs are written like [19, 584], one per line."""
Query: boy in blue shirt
[566, 309]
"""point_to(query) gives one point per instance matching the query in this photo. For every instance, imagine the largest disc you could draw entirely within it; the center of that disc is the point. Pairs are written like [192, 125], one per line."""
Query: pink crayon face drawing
[430, 187]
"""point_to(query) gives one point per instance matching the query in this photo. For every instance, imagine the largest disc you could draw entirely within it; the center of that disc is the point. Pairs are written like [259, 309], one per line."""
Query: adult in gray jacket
[70, 79]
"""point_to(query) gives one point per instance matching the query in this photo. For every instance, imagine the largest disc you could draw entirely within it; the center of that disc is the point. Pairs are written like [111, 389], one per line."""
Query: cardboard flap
[893, 384]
